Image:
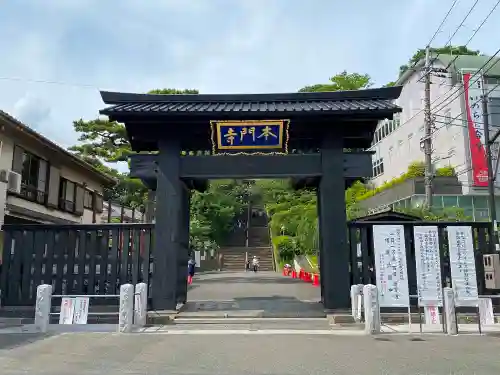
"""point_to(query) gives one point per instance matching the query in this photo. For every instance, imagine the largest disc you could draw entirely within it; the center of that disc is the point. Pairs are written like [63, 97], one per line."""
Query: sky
[58, 54]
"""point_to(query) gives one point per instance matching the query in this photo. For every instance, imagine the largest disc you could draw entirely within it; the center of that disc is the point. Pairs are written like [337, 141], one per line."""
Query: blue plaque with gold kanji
[250, 137]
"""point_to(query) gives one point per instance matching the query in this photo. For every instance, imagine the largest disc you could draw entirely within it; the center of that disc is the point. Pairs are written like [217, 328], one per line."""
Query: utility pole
[489, 164]
[428, 131]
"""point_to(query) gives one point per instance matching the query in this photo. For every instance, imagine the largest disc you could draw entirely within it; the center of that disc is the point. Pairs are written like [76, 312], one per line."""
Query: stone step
[11, 322]
[248, 323]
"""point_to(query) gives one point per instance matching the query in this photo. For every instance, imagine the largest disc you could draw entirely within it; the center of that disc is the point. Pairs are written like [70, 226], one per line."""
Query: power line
[473, 35]
[443, 22]
[473, 103]
[483, 22]
[447, 67]
[456, 30]
[49, 82]
[459, 26]
[480, 72]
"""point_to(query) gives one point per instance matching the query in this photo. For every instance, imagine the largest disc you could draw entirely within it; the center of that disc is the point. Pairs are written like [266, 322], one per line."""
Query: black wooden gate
[75, 259]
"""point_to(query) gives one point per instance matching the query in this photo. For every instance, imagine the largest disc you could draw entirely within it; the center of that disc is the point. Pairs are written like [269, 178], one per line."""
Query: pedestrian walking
[191, 270]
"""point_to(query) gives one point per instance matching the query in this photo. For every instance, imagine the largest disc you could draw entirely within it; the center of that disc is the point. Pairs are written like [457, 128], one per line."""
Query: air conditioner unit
[14, 182]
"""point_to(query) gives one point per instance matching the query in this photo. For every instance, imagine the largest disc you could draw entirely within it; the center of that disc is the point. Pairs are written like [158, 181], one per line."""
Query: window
[67, 194]
[397, 122]
[384, 133]
[450, 201]
[378, 167]
[88, 199]
[451, 151]
[492, 80]
[386, 126]
[400, 142]
[34, 175]
[379, 131]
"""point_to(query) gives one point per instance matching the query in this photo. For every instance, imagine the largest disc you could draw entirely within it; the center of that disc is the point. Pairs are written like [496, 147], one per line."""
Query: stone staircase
[259, 245]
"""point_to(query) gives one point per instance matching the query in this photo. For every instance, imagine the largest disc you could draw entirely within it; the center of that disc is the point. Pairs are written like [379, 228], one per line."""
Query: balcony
[31, 193]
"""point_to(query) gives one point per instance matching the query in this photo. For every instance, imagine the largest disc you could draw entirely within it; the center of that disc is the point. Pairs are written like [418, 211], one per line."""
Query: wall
[410, 187]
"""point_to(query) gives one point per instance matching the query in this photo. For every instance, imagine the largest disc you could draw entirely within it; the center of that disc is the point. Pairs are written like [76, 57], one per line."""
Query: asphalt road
[110, 354]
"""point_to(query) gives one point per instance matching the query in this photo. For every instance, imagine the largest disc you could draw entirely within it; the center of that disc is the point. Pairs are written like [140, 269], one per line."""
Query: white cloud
[32, 110]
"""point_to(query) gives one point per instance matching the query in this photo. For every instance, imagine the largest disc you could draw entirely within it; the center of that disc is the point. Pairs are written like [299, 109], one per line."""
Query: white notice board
[81, 310]
[463, 265]
[428, 264]
[67, 310]
[74, 310]
[390, 265]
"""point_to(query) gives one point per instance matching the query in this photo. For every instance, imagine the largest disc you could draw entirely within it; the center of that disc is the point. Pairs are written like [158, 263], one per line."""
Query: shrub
[415, 169]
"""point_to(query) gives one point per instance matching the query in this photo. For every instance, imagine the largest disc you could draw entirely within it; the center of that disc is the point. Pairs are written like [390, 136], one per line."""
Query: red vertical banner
[474, 113]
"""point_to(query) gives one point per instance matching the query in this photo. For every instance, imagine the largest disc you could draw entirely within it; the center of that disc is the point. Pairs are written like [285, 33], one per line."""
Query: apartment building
[458, 137]
[40, 182]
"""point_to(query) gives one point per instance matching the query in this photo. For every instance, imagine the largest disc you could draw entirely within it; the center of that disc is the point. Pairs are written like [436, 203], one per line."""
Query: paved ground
[113, 354]
[265, 294]
[253, 346]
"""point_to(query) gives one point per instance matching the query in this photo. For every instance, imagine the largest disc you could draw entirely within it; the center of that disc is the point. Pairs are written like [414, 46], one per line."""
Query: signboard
[431, 315]
[474, 116]
[428, 264]
[81, 311]
[463, 266]
[67, 310]
[258, 136]
[74, 310]
[390, 265]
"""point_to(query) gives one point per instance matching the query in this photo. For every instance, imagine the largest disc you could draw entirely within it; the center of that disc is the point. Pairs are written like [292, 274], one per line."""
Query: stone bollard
[42, 307]
[141, 305]
[126, 312]
[356, 296]
[372, 309]
[449, 311]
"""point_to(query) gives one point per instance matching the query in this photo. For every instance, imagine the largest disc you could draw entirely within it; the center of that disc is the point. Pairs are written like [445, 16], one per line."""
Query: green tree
[447, 50]
[294, 217]
[341, 81]
[107, 141]
[103, 141]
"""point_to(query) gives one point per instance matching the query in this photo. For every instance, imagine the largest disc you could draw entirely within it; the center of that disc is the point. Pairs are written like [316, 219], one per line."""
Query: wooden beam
[251, 166]
[356, 165]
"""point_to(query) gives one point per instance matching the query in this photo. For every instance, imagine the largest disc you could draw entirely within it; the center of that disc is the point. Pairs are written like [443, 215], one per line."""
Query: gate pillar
[334, 251]
[168, 224]
[184, 246]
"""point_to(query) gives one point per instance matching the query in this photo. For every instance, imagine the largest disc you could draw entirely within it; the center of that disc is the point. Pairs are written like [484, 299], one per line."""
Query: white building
[397, 143]
[41, 182]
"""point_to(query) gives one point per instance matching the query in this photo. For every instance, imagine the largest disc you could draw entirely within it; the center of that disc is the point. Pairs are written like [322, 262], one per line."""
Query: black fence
[116, 212]
[362, 264]
[75, 259]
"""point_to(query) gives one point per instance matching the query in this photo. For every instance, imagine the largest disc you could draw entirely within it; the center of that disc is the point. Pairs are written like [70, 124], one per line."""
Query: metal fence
[74, 259]
[362, 263]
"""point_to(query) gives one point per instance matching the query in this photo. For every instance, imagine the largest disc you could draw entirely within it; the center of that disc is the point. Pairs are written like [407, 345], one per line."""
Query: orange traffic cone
[294, 274]
[316, 280]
